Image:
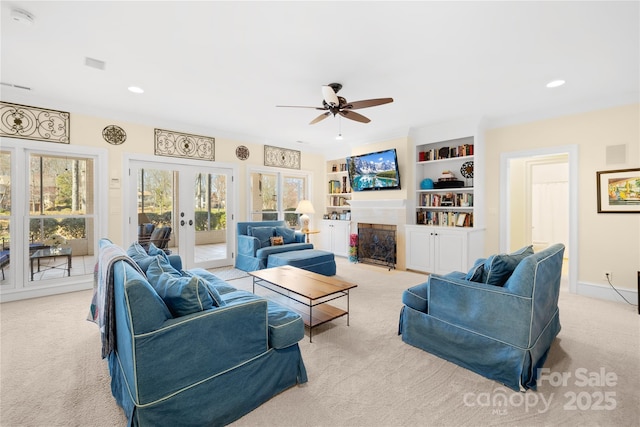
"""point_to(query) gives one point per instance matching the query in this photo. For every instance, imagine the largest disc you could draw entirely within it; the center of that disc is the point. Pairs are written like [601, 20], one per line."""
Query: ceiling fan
[334, 104]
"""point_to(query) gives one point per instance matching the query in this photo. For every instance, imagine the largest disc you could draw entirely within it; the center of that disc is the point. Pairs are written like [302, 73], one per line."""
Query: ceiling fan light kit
[333, 104]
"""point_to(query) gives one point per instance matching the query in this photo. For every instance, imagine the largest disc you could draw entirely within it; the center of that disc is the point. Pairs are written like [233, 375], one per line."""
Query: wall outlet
[607, 275]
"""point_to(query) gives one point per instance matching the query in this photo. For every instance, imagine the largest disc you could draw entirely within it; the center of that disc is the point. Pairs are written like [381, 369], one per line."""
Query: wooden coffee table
[309, 289]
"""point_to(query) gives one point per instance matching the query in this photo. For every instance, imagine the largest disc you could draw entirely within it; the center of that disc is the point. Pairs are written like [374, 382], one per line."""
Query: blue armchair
[254, 245]
[498, 320]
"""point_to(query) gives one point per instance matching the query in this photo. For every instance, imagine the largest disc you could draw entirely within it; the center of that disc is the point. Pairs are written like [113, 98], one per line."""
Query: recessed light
[135, 89]
[555, 83]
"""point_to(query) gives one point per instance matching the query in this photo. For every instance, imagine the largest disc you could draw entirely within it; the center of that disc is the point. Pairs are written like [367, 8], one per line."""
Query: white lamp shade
[305, 207]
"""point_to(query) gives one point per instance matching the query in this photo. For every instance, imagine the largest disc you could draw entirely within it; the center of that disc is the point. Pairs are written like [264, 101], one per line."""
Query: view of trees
[156, 196]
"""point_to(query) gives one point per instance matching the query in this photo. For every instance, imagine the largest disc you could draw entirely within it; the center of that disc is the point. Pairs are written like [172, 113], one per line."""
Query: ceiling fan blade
[354, 116]
[320, 118]
[367, 103]
[300, 106]
[330, 96]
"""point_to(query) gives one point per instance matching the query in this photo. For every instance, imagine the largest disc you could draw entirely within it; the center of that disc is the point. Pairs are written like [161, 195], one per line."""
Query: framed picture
[619, 191]
[461, 219]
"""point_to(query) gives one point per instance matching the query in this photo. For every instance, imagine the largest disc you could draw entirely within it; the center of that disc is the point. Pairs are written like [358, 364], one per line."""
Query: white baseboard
[8, 295]
[606, 292]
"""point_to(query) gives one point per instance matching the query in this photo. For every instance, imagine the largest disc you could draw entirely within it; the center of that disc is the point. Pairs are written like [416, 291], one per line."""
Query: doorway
[539, 188]
[194, 202]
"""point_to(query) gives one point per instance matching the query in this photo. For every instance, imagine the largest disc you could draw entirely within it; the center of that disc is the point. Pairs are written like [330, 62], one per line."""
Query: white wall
[606, 241]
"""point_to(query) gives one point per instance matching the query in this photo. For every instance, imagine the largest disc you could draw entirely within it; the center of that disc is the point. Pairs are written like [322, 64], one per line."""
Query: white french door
[196, 201]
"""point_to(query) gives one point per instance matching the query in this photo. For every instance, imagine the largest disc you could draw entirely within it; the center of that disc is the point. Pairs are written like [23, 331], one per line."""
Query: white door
[195, 201]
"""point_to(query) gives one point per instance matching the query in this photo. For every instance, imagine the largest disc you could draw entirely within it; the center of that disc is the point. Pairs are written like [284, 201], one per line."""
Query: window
[59, 203]
[275, 196]
[210, 202]
[155, 196]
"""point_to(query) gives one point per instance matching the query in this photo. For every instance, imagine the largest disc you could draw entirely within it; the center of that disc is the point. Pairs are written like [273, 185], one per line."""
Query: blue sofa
[254, 245]
[187, 348]
[498, 320]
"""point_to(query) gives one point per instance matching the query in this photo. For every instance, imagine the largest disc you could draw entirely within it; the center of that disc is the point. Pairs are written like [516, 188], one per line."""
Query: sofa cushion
[416, 297]
[288, 234]
[263, 234]
[314, 260]
[498, 268]
[263, 253]
[286, 327]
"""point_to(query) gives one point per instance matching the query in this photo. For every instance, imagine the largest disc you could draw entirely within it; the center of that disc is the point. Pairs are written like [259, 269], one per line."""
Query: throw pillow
[288, 234]
[277, 241]
[263, 234]
[475, 274]
[212, 280]
[498, 268]
[154, 251]
[183, 295]
[159, 266]
[140, 256]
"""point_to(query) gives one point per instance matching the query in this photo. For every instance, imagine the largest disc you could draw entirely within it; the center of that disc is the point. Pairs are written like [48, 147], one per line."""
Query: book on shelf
[446, 152]
[444, 219]
[335, 186]
[448, 199]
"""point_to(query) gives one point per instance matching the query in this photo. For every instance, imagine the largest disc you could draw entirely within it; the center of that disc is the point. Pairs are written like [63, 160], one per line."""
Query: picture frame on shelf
[461, 218]
[618, 191]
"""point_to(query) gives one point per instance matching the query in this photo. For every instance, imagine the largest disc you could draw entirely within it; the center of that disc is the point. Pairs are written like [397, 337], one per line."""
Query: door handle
[190, 222]
[182, 222]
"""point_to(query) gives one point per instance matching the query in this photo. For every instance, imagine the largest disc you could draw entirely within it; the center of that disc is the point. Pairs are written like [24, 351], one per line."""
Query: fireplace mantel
[378, 204]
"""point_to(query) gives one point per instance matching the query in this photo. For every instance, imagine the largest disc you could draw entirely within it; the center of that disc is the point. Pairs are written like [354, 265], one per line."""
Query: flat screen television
[374, 171]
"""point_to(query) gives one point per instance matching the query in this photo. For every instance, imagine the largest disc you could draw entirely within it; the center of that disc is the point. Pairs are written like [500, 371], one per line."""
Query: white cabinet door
[334, 237]
[325, 236]
[442, 250]
[420, 248]
[341, 238]
[449, 251]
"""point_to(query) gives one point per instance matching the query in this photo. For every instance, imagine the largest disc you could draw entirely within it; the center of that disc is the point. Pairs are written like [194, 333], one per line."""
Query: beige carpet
[359, 375]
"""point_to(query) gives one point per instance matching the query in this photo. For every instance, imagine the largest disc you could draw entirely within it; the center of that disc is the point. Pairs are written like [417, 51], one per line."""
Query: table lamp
[304, 207]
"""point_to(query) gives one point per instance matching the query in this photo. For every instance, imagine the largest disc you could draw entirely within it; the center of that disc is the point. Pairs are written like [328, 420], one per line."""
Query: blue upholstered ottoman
[317, 261]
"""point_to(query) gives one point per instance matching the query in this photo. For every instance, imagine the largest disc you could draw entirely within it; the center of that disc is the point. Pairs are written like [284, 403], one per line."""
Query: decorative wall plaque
[242, 152]
[177, 144]
[281, 157]
[114, 135]
[39, 124]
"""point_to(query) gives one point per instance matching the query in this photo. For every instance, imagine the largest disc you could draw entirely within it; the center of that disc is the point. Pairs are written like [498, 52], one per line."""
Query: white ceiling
[220, 68]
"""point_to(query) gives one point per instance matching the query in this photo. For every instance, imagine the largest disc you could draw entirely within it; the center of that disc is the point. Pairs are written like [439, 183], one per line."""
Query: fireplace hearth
[377, 244]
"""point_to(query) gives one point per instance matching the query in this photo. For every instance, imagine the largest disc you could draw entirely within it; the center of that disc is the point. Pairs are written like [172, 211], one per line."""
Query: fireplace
[377, 244]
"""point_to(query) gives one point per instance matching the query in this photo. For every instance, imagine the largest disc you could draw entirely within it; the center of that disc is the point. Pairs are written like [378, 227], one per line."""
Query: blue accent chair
[253, 249]
[502, 331]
